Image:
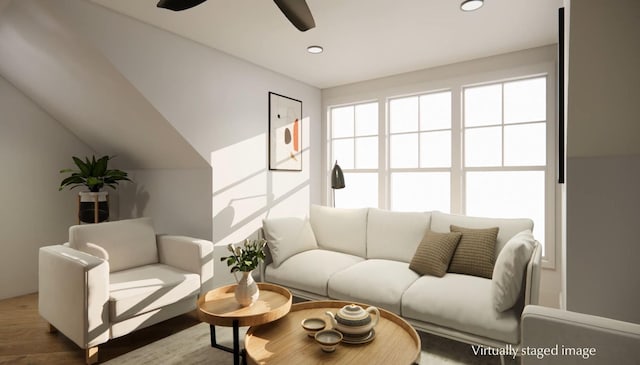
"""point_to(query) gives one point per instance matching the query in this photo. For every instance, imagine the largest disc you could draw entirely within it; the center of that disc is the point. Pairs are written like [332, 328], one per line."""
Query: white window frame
[456, 86]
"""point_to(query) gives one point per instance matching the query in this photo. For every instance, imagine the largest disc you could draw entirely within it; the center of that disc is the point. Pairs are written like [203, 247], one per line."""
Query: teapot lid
[353, 315]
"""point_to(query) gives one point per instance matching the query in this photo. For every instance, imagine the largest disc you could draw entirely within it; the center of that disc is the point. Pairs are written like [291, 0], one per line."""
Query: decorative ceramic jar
[247, 290]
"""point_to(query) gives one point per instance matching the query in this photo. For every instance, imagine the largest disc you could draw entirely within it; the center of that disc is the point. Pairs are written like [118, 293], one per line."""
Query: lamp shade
[337, 177]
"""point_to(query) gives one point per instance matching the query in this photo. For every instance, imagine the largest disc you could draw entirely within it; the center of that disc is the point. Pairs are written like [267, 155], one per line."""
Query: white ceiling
[363, 39]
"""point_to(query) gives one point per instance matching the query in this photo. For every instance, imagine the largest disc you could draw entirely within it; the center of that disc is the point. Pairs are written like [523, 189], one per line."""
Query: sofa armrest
[576, 338]
[532, 276]
[188, 254]
[74, 294]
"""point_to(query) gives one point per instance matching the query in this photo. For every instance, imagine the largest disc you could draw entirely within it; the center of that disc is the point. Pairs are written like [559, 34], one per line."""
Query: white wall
[177, 200]
[603, 165]
[219, 104]
[531, 61]
[33, 213]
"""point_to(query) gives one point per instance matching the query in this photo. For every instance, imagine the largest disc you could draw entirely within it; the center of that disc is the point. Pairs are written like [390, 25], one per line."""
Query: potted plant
[245, 259]
[95, 175]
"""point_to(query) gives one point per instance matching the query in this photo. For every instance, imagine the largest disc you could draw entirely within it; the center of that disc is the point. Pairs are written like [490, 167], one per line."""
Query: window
[477, 149]
[505, 161]
[420, 152]
[354, 145]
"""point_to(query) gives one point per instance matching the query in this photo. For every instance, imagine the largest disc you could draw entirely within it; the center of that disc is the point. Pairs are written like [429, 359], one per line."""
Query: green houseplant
[246, 258]
[94, 174]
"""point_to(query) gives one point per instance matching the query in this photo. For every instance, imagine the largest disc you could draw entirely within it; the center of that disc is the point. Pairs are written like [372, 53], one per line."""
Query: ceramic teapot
[353, 320]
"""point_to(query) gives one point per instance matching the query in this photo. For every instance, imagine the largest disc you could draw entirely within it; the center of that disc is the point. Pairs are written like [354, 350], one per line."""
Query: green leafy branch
[94, 174]
[246, 257]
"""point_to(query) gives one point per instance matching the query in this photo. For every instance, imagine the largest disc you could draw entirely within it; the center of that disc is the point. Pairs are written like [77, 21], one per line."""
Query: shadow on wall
[245, 191]
[134, 200]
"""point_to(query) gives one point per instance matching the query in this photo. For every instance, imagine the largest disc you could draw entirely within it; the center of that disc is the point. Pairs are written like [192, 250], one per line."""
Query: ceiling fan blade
[298, 13]
[177, 5]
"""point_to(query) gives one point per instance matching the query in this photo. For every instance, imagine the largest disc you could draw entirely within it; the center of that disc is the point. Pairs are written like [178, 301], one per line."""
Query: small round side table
[218, 307]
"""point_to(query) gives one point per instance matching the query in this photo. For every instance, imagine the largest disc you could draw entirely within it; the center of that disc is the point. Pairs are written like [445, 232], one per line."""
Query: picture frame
[285, 133]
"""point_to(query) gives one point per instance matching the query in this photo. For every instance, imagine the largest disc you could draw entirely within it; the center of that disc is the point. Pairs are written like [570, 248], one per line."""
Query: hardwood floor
[25, 339]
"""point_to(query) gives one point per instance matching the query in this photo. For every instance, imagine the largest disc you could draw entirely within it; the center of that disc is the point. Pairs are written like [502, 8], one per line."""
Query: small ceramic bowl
[313, 325]
[328, 339]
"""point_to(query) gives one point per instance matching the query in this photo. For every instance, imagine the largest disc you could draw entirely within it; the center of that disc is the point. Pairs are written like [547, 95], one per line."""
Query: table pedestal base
[237, 354]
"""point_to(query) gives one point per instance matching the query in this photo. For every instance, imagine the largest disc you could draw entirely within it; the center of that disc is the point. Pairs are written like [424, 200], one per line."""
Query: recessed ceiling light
[314, 49]
[471, 5]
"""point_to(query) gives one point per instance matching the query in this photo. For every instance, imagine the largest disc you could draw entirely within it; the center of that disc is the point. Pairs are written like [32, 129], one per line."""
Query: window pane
[525, 145]
[483, 105]
[435, 111]
[367, 153]
[342, 122]
[360, 191]
[483, 147]
[367, 119]
[525, 100]
[435, 149]
[404, 150]
[403, 114]
[508, 194]
[420, 191]
[343, 153]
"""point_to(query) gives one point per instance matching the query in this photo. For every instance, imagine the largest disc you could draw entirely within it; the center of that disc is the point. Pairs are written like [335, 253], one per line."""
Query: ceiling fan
[297, 11]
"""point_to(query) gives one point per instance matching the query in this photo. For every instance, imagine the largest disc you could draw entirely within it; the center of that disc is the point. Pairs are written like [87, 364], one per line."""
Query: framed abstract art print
[285, 133]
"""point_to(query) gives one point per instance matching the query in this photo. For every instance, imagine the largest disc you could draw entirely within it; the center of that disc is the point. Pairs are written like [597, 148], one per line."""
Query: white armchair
[116, 277]
[557, 337]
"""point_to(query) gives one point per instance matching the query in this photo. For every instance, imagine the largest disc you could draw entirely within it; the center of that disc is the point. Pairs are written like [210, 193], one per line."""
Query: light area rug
[192, 346]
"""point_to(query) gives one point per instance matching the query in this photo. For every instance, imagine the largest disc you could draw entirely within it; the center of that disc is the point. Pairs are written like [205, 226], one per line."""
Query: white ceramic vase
[247, 290]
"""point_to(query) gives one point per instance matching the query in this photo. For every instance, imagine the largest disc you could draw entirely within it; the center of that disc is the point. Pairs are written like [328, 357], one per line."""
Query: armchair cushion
[142, 289]
[125, 244]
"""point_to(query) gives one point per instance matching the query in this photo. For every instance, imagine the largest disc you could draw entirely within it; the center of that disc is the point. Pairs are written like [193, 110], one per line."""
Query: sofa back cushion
[507, 227]
[125, 244]
[287, 237]
[395, 235]
[342, 230]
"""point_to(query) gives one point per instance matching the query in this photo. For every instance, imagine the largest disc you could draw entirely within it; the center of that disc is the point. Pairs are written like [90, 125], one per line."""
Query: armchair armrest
[74, 294]
[189, 254]
[577, 338]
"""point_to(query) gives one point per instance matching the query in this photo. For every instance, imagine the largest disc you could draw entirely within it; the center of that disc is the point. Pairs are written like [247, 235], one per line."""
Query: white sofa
[363, 255]
[557, 337]
[116, 277]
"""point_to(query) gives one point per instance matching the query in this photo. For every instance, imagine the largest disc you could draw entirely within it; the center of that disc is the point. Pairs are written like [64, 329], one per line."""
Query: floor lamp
[337, 181]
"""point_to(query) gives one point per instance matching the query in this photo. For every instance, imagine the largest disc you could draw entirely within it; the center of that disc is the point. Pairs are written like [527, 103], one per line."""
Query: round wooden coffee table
[219, 307]
[285, 342]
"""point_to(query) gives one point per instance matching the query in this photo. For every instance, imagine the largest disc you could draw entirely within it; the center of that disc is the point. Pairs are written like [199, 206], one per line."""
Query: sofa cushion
[460, 302]
[475, 254]
[434, 253]
[376, 282]
[287, 237]
[395, 235]
[145, 288]
[509, 270]
[310, 270]
[125, 244]
[342, 230]
[508, 227]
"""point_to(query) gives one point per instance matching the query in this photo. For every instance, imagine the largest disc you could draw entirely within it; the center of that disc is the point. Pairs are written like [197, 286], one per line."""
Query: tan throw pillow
[434, 253]
[475, 254]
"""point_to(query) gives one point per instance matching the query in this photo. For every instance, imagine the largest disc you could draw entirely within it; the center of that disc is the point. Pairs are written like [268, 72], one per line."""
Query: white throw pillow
[509, 270]
[287, 237]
